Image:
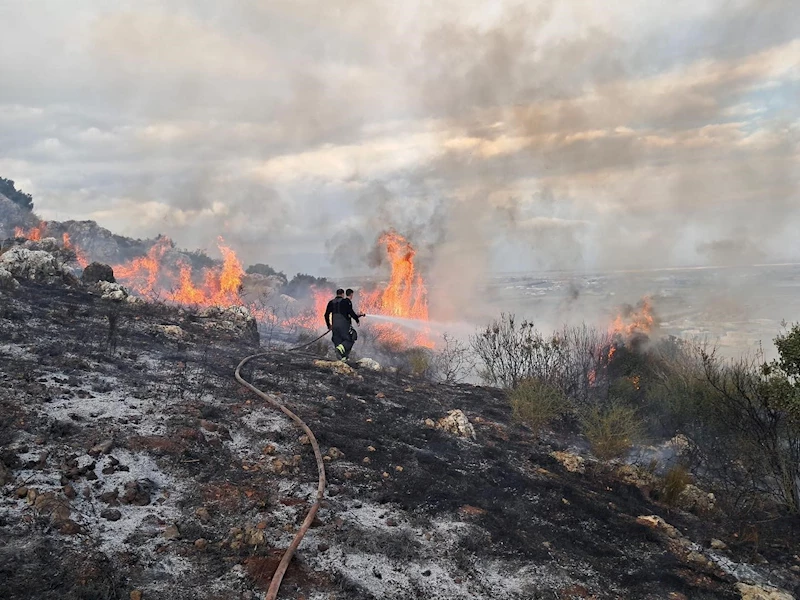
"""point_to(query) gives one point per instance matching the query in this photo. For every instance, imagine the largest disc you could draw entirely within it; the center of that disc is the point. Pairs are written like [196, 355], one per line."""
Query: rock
[368, 363]
[97, 272]
[304, 439]
[36, 265]
[571, 462]
[758, 592]
[69, 491]
[112, 291]
[718, 545]
[22, 492]
[203, 514]
[137, 492]
[399, 469]
[323, 547]
[111, 498]
[136, 595]
[236, 320]
[456, 423]
[336, 366]
[366, 460]
[172, 532]
[58, 509]
[371, 449]
[633, 475]
[430, 424]
[111, 514]
[693, 499]
[201, 543]
[173, 332]
[69, 527]
[659, 524]
[7, 281]
[334, 453]
[101, 448]
[330, 398]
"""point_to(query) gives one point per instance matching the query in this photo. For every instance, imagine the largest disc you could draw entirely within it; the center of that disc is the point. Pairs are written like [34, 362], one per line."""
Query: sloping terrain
[133, 465]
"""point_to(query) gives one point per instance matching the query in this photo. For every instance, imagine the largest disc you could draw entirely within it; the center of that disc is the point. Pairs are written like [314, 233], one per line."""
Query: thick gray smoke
[496, 136]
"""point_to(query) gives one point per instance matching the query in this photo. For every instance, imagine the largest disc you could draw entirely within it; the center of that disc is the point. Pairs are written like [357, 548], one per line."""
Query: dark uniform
[338, 317]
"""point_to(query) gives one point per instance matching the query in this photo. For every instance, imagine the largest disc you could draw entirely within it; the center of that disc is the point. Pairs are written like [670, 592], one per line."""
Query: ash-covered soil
[133, 465]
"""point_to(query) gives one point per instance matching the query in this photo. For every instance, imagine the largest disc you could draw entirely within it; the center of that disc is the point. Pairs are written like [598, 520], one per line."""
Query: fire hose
[277, 578]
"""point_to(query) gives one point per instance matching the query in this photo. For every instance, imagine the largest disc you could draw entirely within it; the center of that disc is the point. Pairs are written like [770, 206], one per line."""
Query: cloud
[495, 135]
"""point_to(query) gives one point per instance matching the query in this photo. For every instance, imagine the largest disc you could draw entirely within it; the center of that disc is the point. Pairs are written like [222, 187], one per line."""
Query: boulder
[7, 281]
[97, 272]
[368, 363]
[456, 423]
[113, 291]
[36, 265]
[695, 500]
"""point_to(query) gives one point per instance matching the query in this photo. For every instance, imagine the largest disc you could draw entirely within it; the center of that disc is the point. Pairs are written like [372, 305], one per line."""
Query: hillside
[134, 466]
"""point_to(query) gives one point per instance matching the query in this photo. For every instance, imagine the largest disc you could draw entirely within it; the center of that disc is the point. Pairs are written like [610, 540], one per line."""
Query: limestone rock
[695, 500]
[659, 524]
[456, 423]
[336, 366]
[571, 462]
[368, 363]
[7, 281]
[113, 291]
[36, 265]
[757, 592]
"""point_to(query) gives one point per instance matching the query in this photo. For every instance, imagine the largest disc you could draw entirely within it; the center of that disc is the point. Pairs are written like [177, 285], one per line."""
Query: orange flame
[221, 287]
[404, 296]
[142, 274]
[80, 255]
[632, 321]
[34, 234]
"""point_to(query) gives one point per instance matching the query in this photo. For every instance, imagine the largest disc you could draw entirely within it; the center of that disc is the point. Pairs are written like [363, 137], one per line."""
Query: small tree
[21, 199]
[453, 362]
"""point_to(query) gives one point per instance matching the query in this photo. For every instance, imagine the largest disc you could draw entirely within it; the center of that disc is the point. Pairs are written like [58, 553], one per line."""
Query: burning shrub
[537, 403]
[611, 430]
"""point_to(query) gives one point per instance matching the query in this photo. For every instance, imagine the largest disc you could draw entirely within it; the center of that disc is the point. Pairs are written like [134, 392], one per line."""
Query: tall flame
[34, 234]
[632, 321]
[404, 296]
[142, 274]
[80, 255]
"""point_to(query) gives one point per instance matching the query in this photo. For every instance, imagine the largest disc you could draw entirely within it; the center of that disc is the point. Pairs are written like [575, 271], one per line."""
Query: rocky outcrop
[35, 265]
[758, 592]
[7, 281]
[236, 320]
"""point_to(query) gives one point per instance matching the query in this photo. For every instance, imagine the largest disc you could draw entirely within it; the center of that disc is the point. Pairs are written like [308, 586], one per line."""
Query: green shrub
[673, 483]
[537, 403]
[420, 361]
[611, 431]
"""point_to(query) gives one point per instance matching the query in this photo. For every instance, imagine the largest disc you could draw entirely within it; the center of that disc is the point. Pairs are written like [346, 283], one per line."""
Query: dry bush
[419, 362]
[537, 403]
[611, 430]
[453, 361]
[673, 483]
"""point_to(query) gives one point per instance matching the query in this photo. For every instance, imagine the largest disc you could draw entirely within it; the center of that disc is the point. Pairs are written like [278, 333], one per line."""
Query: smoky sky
[497, 136]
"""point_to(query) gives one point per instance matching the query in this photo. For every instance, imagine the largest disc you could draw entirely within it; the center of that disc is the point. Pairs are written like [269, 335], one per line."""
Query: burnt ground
[132, 460]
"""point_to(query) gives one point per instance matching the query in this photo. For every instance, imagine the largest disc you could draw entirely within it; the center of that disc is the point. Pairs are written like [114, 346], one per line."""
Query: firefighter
[338, 317]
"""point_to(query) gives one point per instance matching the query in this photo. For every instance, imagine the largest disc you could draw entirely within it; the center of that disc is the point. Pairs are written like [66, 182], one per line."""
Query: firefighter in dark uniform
[338, 317]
